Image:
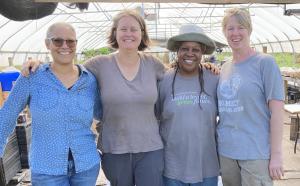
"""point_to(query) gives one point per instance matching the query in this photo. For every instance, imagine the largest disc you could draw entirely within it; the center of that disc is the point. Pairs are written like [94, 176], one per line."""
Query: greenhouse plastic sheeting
[271, 28]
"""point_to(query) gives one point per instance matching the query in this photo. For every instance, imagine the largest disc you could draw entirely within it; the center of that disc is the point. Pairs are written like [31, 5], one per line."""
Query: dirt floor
[291, 162]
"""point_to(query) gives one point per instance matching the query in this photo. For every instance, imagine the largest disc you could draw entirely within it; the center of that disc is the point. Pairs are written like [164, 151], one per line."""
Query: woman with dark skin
[188, 108]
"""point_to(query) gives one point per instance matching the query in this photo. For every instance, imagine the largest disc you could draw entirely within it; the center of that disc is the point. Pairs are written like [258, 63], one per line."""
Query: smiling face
[128, 33]
[237, 35]
[65, 53]
[237, 28]
[189, 57]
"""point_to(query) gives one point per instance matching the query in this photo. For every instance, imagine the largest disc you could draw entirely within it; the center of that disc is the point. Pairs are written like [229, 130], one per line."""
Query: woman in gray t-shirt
[250, 101]
[188, 110]
[130, 140]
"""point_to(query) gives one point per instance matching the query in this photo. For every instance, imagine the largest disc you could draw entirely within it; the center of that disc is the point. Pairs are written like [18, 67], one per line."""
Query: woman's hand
[275, 167]
[213, 68]
[30, 66]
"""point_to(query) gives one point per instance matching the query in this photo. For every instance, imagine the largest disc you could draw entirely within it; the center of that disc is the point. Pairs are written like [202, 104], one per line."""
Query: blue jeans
[212, 181]
[86, 178]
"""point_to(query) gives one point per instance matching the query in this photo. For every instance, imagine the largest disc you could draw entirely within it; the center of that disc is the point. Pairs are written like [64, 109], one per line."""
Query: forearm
[276, 126]
[15, 103]
[8, 117]
[7, 125]
[276, 132]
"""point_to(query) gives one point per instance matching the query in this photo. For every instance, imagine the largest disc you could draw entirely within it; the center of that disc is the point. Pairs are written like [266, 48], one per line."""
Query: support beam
[183, 1]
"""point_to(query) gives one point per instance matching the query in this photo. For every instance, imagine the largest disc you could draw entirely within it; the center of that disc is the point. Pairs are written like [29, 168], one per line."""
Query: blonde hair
[242, 15]
[112, 40]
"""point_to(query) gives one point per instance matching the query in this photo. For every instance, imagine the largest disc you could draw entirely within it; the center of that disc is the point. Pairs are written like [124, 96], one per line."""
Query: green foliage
[282, 59]
[87, 54]
[223, 56]
[286, 59]
[94, 52]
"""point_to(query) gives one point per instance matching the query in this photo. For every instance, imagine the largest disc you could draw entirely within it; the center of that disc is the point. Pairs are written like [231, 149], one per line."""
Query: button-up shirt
[61, 120]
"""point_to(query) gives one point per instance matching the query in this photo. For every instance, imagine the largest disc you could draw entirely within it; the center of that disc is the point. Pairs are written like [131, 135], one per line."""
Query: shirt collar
[46, 67]
[83, 69]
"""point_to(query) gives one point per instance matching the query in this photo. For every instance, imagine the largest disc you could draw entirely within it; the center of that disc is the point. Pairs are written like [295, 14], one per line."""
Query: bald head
[51, 30]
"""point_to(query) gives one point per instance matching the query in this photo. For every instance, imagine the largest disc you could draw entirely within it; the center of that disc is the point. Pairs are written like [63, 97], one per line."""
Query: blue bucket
[7, 79]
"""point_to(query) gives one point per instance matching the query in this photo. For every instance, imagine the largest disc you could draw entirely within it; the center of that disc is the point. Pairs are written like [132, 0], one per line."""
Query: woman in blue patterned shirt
[63, 99]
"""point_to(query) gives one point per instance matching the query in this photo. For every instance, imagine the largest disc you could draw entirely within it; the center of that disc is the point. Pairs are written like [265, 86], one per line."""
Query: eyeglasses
[59, 42]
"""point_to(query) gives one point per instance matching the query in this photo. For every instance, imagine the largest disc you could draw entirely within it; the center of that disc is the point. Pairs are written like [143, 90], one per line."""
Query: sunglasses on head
[59, 42]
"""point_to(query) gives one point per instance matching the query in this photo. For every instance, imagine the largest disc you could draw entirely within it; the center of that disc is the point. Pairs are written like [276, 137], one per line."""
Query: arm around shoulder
[95, 63]
[159, 68]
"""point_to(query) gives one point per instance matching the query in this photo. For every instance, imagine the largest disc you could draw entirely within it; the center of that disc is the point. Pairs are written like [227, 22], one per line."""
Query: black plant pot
[22, 10]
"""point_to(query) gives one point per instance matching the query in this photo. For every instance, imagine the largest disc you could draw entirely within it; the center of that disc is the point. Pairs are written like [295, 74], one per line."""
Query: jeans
[85, 178]
[212, 181]
[134, 169]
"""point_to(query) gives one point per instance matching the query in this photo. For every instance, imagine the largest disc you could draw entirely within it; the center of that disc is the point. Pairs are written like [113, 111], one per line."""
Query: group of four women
[158, 125]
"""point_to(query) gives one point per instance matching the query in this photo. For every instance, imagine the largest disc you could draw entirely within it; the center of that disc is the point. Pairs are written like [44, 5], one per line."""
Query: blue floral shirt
[61, 120]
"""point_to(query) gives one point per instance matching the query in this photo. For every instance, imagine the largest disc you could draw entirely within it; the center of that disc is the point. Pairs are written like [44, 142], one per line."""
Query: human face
[128, 33]
[189, 56]
[62, 53]
[237, 35]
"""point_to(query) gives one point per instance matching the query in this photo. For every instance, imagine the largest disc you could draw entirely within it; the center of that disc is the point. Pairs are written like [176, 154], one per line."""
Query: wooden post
[166, 58]
[265, 49]
[293, 127]
[10, 62]
[286, 90]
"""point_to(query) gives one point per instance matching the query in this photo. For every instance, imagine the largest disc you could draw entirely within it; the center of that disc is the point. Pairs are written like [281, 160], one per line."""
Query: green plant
[94, 52]
[282, 59]
[223, 56]
[286, 59]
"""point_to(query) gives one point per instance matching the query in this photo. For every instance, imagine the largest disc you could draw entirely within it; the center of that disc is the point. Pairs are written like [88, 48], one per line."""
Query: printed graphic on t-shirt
[228, 90]
[190, 98]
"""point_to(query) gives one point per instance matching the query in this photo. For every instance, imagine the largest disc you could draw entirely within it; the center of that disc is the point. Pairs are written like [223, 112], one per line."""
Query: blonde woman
[250, 101]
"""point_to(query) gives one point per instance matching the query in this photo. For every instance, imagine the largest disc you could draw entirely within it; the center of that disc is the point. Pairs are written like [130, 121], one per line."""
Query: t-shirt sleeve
[272, 79]
[89, 64]
[163, 91]
[159, 68]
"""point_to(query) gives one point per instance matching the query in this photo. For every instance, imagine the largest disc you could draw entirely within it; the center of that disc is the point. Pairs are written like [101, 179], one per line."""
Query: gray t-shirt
[188, 132]
[244, 91]
[129, 122]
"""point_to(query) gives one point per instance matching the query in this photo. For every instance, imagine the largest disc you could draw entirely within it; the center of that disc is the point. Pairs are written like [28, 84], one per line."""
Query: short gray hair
[58, 24]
